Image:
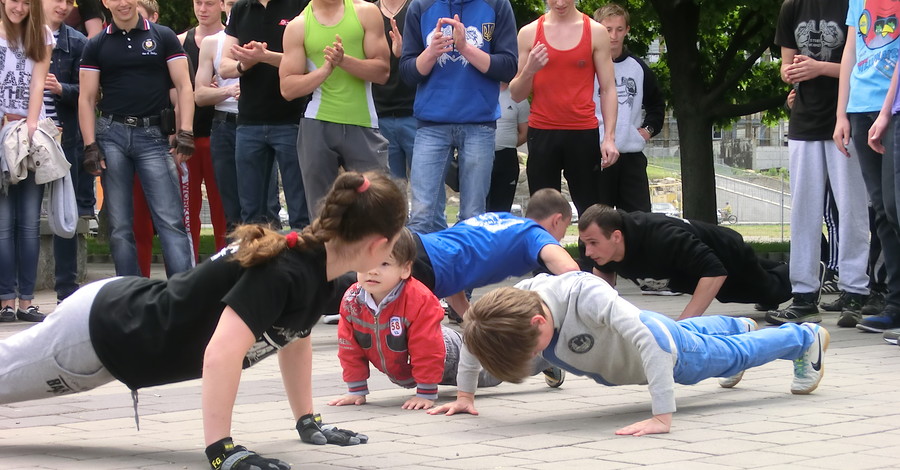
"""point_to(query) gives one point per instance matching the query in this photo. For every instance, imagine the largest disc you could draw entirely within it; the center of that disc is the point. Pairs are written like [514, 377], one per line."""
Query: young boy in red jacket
[392, 321]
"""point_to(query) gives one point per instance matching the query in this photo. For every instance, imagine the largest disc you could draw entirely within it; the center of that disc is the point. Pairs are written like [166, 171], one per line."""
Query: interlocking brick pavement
[851, 422]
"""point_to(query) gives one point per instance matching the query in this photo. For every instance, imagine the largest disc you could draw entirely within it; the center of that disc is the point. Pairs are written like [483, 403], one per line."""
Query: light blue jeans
[720, 346]
[433, 150]
[400, 133]
[145, 151]
[20, 242]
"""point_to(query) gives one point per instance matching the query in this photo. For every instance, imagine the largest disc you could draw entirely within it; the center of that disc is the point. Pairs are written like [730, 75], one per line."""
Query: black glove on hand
[184, 143]
[92, 158]
[224, 455]
[313, 432]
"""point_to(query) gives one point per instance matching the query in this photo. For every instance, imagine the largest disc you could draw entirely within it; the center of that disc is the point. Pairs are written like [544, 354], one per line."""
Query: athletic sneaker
[765, 307]
[851, 313]
[728, 382]
[554, 377]
[331, 319]
[837, 304]
[887, 320]
[802, 310]
[809, 368]
[7, 314]
[830, 286]
[874, 304]
[891, 336]
[453, 316]
[656, 287]
[30, 314]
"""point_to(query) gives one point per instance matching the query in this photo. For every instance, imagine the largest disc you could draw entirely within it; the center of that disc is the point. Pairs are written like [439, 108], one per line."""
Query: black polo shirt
[133, 66]
[261, 101]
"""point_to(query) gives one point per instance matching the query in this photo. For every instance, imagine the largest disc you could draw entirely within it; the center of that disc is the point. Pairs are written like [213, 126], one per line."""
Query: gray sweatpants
[453, 344]
[54, 357]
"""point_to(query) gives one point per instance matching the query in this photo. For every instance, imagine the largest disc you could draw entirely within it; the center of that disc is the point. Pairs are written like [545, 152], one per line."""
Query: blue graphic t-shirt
[484, 249]
[876, 52]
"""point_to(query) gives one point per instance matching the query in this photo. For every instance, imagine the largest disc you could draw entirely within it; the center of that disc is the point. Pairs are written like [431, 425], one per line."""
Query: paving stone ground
[851, 422]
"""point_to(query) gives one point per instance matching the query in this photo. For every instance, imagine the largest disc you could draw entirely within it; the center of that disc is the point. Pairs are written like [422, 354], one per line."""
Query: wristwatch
[240, 68]
[649, 129]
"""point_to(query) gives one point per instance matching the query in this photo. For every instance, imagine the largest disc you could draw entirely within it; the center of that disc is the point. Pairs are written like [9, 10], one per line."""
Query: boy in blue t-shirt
[870, 56]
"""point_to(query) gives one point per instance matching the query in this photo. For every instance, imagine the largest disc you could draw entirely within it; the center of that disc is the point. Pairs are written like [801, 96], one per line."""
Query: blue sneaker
[887, 320]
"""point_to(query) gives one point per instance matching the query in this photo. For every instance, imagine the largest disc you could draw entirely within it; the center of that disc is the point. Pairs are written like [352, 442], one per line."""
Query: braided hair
[358, 205]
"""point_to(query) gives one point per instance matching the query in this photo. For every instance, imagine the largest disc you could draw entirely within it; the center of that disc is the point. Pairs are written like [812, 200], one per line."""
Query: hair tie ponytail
[364, 186]
[291, 239]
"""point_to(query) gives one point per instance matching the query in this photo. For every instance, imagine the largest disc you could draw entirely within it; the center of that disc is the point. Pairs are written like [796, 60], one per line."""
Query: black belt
[133, 121]
[225, 116]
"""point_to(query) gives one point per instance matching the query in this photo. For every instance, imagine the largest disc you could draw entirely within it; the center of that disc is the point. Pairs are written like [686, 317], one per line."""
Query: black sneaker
[837, 304]
[830, 287]
[850, 313]
[874, 305]
[7, 314]
[30, 314]
[765, 307]
[802, 310]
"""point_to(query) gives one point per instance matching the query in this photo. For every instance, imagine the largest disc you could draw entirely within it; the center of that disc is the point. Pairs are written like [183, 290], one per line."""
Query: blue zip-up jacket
[455, 91]
[64, 64]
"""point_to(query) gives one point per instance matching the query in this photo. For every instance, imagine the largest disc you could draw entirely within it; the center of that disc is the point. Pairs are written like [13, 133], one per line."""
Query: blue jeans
[65, 250]
[719, 346]
[400, 133]
[258, 147]
[222, 148]
[20, 240]
[145, 151]
[433, 150]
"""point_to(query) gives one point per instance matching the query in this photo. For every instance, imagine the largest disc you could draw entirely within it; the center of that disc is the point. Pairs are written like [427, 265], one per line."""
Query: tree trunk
[698, 177]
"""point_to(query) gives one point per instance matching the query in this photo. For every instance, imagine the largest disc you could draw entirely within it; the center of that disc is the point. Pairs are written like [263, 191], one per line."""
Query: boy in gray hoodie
[577, 322]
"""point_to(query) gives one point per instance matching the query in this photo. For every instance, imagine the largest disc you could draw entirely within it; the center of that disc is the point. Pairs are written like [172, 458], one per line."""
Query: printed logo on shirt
[396, 326]
[474, 37]
[149, 46]
[626, 89]
[14, 81]
[487, 31]
[491, 222]
[878, 23]
[581, 344]
[284, 22]
[819, 40]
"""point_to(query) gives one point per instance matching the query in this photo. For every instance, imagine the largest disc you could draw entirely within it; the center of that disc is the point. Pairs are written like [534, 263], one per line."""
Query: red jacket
[404, 340]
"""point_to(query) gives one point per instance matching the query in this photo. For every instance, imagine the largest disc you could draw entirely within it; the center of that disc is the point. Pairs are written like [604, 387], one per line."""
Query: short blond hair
[152, 6]
[499, 332]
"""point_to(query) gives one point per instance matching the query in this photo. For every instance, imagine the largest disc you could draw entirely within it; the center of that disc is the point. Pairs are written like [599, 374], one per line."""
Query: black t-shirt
[87, 10]
[395, 98]
[662, 247]
[133, 67]
[815, 28]
[261, 101]
[152, 332]
[203, 115]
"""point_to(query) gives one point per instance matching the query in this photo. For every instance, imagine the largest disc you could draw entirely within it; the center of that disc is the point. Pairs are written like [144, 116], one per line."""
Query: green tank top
[341, 98]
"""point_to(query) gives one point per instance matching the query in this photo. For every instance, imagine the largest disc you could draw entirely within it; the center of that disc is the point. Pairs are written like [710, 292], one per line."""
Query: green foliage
[177, 14]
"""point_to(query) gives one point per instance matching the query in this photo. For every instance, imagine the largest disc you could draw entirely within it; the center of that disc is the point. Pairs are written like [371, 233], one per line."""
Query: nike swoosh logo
[817, 364]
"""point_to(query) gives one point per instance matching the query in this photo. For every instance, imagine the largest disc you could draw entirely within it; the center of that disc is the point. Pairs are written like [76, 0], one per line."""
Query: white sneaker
[331, 319]
[810, 367]
[729, 382]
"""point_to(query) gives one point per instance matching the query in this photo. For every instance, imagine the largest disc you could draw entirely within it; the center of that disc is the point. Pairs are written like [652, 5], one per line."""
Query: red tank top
[564, 88]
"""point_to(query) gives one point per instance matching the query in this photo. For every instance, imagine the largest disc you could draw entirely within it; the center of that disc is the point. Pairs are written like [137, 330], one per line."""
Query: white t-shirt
[15, 78]
[511, 115]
